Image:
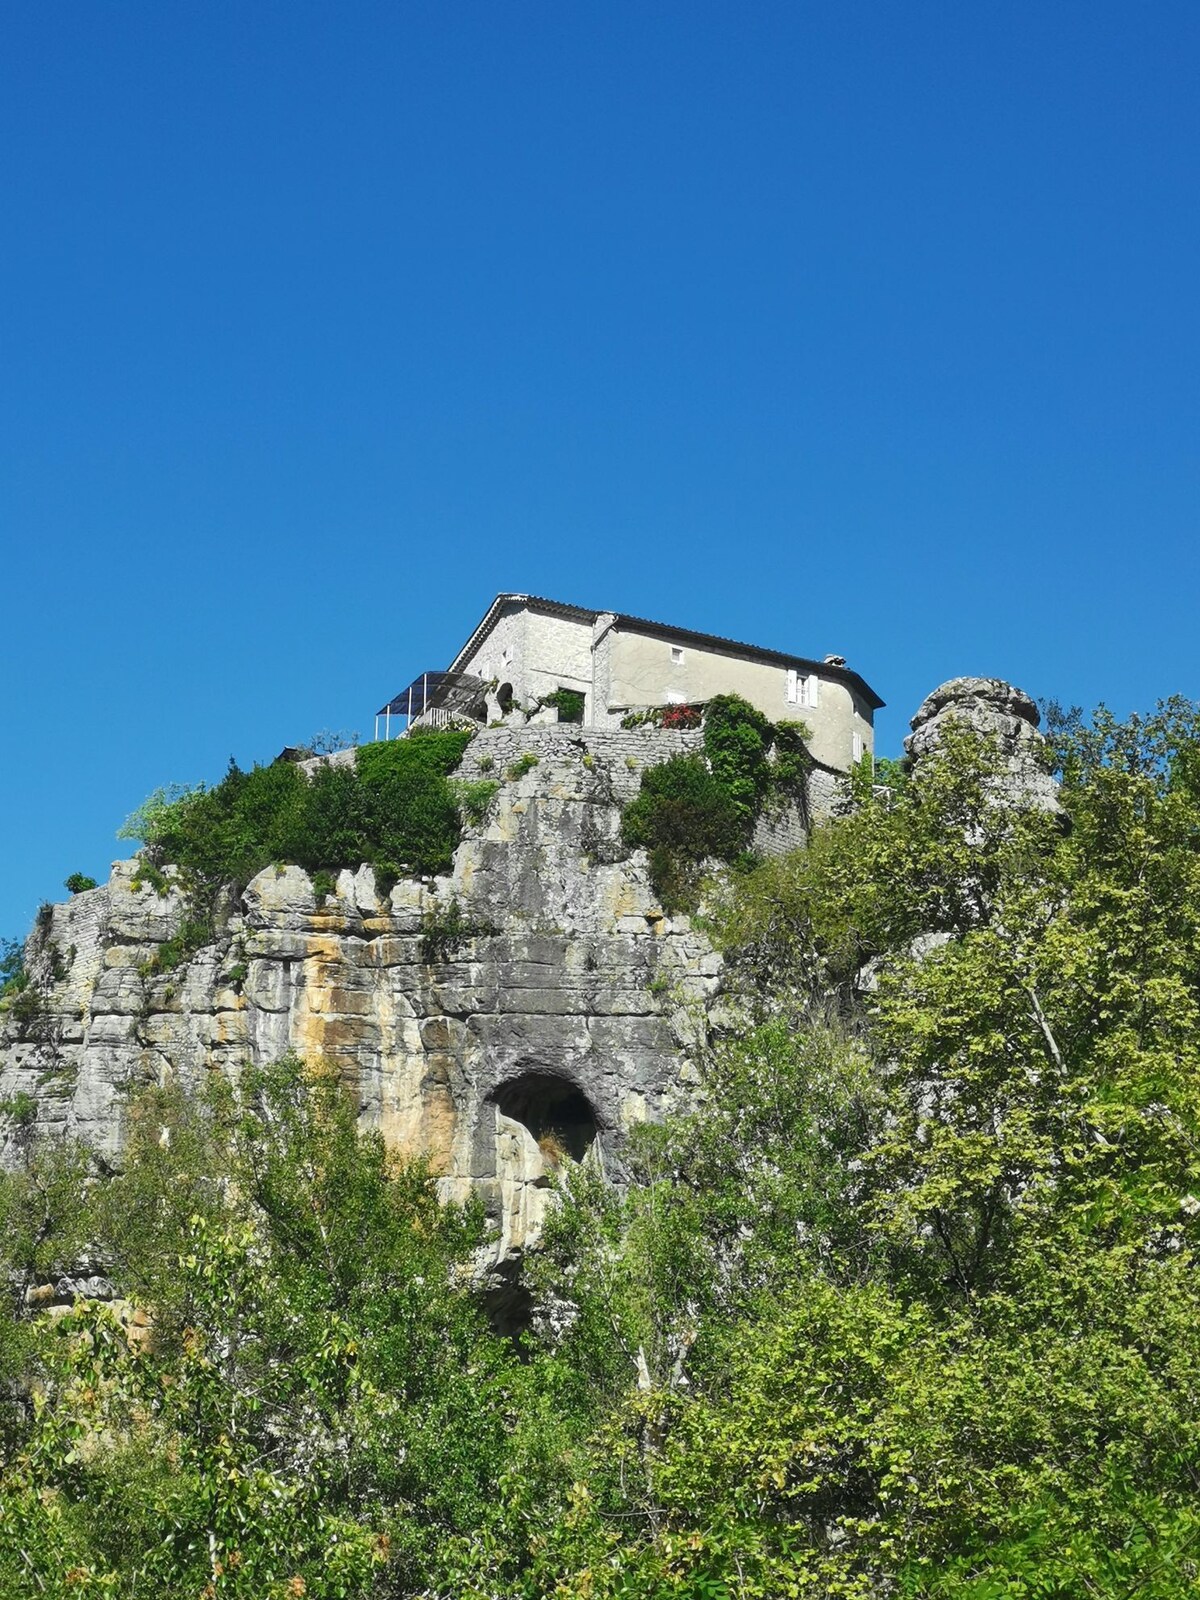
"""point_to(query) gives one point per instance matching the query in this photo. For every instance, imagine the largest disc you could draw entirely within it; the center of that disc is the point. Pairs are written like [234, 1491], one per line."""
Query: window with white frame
[856, 746]
[802, 688]
[676, 655]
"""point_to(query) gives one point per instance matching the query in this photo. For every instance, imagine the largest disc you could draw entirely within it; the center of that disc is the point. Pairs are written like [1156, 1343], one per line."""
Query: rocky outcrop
[554, 993]
[1001, 712]
[530, 1006]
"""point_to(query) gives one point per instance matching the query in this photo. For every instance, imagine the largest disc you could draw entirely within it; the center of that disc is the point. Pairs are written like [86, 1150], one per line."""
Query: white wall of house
[535, 653]
[619, 670]
[652, 671]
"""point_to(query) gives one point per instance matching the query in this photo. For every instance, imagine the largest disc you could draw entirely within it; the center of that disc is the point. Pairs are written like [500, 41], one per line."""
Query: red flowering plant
[680, 717]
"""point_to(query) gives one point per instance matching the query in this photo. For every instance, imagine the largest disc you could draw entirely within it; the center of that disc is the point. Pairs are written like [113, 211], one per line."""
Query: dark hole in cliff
[504, 697]
[558, 1116]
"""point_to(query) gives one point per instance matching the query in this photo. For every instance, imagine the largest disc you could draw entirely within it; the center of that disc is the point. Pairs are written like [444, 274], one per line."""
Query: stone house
[526, 647]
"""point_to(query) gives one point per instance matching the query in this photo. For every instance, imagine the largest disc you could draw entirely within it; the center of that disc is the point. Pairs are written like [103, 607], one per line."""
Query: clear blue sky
[868, 328]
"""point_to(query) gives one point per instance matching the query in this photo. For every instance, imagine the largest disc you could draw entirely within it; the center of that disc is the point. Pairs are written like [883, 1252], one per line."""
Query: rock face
[551, 1016]
[556, 1018]
[999, 710]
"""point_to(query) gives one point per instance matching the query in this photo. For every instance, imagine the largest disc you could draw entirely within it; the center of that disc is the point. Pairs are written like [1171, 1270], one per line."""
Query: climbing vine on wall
[694, 808]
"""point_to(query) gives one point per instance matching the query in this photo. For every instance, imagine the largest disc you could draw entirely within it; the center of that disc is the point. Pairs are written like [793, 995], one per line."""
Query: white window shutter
[791, 686]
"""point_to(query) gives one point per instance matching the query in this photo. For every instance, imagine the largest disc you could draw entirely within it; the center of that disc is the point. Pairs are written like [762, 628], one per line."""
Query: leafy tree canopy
[905, 1305]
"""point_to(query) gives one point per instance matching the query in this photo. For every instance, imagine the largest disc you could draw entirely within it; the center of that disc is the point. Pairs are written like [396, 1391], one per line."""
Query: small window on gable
[676, 655]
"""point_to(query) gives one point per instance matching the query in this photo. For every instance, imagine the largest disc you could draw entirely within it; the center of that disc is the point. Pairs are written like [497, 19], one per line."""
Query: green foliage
[20, 1108]
[13, 976]
[691, 809]
[682, 816]
[148, 873]
[444, 931]
[324, 883]
[79, 883]
[930, 1245]
[19, 997]
[737, 739]
[523, 764]
[393, 808]
[890, 774]
[194, 933]
[569, 704]
[788, 775]
[318, 1407]
[410, 807]
[906, 1304]
[474, 799]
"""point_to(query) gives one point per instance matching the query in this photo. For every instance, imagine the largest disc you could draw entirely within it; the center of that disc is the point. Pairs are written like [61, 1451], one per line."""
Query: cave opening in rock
[558, 1115]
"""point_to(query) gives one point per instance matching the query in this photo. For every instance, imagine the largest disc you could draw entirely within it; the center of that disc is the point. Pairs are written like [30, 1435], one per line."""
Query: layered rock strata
[558, 1013]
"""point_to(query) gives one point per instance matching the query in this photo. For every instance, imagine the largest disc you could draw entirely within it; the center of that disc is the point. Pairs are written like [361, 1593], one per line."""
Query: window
[802, 688]
[676, 655]
[856, 747]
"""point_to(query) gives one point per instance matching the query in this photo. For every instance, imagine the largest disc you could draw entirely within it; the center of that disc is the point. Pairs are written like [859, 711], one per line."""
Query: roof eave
[737, 647]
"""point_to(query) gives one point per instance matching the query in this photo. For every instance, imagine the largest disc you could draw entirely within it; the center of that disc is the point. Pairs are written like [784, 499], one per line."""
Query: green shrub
[20, 1108]
[79, 883]
[691, 808]
[521, 766]
[568, 703]
[26, 1006]
[148, 873]
[323, 883]
[392, 809]
[411, 816]
[193, 935]
[473, 799]
[788, 773]
[445, 931]
[682, 816]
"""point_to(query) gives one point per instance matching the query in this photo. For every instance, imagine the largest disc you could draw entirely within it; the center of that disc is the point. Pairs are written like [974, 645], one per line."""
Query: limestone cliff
[561, 1002]
[550, 1015]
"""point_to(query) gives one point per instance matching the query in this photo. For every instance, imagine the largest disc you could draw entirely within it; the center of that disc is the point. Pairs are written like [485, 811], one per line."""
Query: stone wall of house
[543, 653]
